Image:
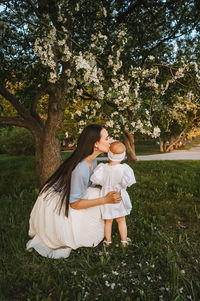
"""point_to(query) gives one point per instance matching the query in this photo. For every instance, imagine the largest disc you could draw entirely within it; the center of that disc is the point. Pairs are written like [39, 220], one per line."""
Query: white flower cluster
[109, 123]
[132, 97]
[44, 48]
[115, 65]
[104, 12]
[86, 63]
[99, 41]
[156, 132]
[47, 46]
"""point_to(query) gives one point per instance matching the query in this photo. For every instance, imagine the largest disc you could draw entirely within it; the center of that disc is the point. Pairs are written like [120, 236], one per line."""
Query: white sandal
[107, 243]
[126, 242]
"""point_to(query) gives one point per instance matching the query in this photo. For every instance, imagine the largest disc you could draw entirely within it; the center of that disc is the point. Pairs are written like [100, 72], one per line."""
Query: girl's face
[103, 144]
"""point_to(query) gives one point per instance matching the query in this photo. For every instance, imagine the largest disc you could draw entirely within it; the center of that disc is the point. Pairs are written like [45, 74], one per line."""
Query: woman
[66, 214]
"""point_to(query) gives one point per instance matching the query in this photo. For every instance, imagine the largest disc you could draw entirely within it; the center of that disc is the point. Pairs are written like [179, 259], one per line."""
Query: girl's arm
[112, 197]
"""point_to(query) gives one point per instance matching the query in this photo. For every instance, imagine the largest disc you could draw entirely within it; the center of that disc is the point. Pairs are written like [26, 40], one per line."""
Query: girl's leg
[108, 229]
[122, 229]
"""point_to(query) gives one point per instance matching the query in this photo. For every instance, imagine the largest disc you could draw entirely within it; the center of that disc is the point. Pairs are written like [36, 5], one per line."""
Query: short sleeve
[98, 175]
[79, 182]
[128, 178]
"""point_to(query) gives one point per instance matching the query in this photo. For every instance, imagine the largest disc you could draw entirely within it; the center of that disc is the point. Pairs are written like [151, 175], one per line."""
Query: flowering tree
[49, 53]
[125, 105]
[176, 106]
[155, 100]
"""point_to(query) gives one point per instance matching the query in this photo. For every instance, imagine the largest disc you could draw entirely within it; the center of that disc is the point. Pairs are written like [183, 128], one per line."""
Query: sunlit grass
[151, 149]
[161, 263]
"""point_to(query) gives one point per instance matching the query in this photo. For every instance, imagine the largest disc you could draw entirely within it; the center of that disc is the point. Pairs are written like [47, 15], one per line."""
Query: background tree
[46, 47]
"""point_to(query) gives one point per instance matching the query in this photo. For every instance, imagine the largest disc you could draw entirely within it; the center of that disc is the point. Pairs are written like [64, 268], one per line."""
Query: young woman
[67, 214]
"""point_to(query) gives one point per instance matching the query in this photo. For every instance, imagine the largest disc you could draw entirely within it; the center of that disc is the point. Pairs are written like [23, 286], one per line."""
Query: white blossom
[109, 123]
[114, 272]
[104, 12]
[151, 57]
[77, 8]
[156, 132]
[78, 113]
[107, 283]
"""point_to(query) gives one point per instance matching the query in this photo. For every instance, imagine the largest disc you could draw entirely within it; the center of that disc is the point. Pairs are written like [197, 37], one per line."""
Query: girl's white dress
[114, 178]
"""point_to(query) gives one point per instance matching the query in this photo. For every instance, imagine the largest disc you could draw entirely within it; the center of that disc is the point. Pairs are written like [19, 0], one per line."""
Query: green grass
[161, 263]
[142, 150]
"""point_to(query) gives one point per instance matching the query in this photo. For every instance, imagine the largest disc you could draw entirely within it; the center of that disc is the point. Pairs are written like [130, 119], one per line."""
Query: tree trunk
[47, 144]
[51, 157]
[38, 137]
[170, 147]
[161, 145]
[47, 156]
[130, 146]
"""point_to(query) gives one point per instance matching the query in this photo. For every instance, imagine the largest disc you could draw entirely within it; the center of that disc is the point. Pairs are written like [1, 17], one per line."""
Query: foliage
[176, 111]
[7, 108]
[3, 136]
[16, 141]
[194, 133]
[151, 99]
[58, 42]
[56, 52]
[161, 263]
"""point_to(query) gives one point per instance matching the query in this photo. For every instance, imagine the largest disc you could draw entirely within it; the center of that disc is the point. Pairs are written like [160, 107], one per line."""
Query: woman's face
[103, 144]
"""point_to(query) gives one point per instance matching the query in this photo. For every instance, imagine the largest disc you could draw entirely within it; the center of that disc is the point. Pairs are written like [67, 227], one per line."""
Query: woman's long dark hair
[60, 181]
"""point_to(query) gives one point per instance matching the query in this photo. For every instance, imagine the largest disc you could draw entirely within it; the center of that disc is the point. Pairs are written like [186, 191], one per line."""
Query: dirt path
[192, 154]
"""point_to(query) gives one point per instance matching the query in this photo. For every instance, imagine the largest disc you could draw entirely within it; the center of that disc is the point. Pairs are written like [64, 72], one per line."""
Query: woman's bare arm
[112, 197]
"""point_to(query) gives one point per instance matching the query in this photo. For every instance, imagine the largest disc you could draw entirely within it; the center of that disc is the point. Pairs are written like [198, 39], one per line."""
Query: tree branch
[171, 68]
[121, 16]
[14, 121]
[176, 141]
[34, 8]
[14, 101]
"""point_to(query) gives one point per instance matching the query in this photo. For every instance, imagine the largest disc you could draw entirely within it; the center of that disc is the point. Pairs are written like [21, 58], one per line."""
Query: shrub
[4, 131]
[16, 141]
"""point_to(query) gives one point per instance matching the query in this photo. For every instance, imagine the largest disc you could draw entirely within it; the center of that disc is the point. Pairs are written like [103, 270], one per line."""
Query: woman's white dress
[114, 178]
[54, 235]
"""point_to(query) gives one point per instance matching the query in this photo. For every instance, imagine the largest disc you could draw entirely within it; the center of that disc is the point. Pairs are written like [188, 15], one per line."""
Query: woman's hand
[113, 197]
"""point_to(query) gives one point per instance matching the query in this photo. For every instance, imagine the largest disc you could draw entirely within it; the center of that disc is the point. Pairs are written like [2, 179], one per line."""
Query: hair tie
[116, 157]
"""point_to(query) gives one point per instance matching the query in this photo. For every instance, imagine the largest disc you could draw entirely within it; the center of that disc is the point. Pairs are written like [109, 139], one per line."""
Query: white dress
[114, 178]
[54, 235]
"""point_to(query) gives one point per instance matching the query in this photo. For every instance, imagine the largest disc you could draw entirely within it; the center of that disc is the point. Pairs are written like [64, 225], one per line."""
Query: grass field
[161, 263]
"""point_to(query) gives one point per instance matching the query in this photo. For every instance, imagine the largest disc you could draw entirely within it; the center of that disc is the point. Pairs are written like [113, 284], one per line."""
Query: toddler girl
[114, 176]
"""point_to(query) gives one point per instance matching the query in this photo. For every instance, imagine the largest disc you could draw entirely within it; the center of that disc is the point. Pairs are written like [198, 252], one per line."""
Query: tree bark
[130, 146]
[47, 144]
[48, 155]
[175, 141]
[161, 145]
[170, 147]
